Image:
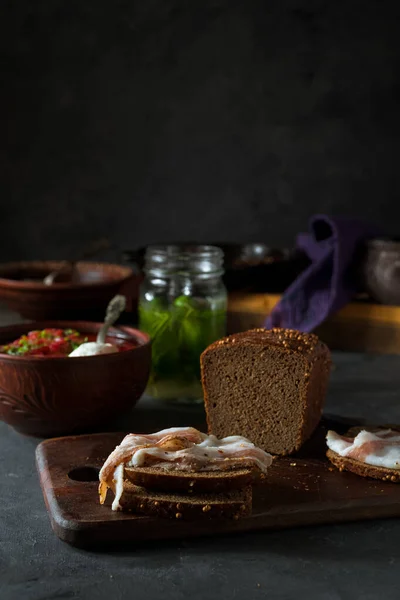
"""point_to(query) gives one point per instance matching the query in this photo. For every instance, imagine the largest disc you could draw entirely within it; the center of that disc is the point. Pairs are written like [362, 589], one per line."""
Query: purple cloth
[329, 282]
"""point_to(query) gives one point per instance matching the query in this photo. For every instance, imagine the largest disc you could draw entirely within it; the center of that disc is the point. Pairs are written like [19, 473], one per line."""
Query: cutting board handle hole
[84, 474]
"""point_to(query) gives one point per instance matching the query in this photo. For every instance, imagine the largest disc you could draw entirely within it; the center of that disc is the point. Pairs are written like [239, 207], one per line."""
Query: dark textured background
[206, 119]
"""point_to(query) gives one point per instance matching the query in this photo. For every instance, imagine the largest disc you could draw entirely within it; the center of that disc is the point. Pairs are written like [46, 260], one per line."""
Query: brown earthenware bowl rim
[383, 243]
[125, 273]
[142, 339]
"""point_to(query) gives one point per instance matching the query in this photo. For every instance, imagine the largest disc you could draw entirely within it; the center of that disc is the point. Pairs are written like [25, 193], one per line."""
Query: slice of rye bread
[267, 385]
[344, 463]
[191, 482]
[231, 505]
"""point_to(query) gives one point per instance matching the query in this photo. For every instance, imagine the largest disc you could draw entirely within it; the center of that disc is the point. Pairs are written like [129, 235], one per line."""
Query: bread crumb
[293, 464]
[178, 515]
[206, 508]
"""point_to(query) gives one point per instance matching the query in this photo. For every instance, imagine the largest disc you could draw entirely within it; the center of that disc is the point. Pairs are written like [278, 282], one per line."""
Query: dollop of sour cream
[93, 348]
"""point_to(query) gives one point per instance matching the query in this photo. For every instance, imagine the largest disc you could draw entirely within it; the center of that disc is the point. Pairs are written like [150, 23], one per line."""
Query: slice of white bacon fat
[379, 448]
[178, 449]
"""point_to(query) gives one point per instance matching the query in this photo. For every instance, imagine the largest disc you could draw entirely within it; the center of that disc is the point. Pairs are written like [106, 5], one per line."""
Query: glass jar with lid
[182, 306]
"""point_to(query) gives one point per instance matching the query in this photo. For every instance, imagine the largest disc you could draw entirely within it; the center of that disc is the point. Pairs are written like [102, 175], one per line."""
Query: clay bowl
[84, 296]
[252, 267]
[45, 396]
[381, 270]
[257, 267]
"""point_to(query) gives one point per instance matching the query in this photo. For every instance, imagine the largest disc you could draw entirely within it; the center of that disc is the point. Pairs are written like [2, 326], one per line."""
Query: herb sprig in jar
[182, 307]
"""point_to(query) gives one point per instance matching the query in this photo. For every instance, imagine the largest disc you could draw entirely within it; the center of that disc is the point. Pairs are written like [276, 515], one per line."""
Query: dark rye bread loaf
[190, 482]
[231, 505]
[267, 385]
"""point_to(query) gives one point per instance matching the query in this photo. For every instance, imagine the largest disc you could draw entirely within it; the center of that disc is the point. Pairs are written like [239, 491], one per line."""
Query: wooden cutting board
[302, 490]
[360, 326]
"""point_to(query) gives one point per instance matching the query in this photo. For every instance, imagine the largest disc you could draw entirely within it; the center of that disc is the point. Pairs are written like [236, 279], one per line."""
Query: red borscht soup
[57, 342]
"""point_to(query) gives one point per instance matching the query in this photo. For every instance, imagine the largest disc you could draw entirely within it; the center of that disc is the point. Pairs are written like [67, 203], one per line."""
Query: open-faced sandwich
[372, 452]
[183, 473]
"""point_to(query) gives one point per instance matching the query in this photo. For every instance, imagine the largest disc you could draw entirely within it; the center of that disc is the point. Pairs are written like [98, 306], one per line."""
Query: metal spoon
[114, 309]
[94, 248]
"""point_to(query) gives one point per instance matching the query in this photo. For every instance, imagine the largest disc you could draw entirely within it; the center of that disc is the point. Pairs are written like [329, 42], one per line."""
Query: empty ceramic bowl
[84, 297]
[49, 396]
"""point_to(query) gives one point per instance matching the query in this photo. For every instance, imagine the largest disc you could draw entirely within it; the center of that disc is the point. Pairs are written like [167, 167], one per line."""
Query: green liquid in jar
[180, 331]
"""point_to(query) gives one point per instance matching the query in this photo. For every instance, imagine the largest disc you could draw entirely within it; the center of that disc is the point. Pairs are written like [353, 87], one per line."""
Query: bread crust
[231, 505]
[191, 482]
[343, 463]
[295, 341]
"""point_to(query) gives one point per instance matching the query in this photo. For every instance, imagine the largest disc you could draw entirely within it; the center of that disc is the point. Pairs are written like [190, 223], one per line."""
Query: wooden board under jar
[358, 327]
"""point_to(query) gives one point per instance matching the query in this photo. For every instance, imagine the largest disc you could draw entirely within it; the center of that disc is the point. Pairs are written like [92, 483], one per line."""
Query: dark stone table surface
[343, 562]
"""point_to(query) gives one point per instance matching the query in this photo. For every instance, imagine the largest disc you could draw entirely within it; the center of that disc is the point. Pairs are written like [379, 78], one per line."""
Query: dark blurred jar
[182, 306]
[380, 270]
